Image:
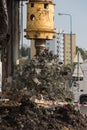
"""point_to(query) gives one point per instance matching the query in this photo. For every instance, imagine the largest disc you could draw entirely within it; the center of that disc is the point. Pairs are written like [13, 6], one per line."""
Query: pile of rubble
[43, 77]
[31, 117]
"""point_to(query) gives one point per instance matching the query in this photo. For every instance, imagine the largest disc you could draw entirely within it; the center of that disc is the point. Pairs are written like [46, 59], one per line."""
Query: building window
[45, 6]
[32, 17]
[32, 4]
[81, 90]
[58, 41]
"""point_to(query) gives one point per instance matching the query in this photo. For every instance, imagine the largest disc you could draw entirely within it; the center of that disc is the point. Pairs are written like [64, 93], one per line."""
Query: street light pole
[70, 32]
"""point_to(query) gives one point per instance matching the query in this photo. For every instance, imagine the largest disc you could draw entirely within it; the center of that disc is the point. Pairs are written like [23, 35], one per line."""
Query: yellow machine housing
[40, 19]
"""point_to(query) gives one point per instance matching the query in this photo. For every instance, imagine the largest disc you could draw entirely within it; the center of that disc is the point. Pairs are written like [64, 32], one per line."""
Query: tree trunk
[9, 35]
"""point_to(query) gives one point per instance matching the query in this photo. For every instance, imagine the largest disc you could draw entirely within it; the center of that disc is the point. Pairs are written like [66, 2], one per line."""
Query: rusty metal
[40, 45]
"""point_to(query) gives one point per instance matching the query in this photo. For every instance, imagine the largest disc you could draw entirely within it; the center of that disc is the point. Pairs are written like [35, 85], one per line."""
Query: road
[83, 109]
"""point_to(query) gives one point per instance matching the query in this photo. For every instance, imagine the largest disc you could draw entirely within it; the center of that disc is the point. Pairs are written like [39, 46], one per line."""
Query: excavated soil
[29, 116]
[43, 78]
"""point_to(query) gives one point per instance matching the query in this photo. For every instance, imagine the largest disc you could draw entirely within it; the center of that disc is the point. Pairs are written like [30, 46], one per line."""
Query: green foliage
[24, 51]
[83, 52]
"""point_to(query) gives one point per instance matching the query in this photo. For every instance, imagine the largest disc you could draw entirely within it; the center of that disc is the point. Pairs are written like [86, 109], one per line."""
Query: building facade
[56, 46]
[32, 49]
[67, 48]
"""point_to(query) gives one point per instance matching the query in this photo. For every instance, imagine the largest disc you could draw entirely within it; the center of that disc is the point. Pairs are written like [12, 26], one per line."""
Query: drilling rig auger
[40, 23]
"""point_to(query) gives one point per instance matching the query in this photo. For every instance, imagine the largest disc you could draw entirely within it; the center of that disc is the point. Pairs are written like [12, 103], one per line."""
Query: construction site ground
[38, 98]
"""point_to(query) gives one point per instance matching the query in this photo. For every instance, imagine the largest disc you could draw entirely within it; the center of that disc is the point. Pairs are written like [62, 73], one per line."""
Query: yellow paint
[40, 20]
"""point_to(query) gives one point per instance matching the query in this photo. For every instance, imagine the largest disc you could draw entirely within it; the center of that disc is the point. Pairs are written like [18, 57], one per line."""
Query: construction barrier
[48, 104]
[80, 105]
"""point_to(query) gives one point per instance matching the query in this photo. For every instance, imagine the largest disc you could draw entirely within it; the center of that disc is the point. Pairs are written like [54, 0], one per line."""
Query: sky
[78, 10]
